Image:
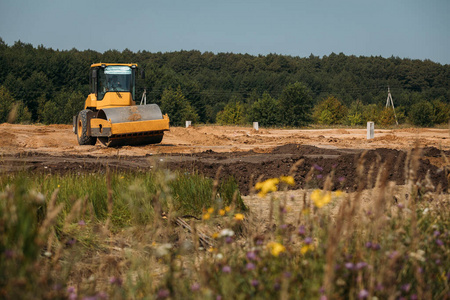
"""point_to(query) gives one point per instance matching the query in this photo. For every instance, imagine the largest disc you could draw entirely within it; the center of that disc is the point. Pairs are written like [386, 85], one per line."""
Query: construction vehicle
[110, 112]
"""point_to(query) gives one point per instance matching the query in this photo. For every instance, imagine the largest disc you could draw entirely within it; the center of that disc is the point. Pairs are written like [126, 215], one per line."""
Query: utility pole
[389, 102]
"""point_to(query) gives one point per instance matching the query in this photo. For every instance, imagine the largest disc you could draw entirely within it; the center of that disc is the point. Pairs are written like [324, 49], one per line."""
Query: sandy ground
[240, 152]
[59, 140]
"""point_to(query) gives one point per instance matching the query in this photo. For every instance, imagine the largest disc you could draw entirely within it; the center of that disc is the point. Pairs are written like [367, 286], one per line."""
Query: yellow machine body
[110, 112]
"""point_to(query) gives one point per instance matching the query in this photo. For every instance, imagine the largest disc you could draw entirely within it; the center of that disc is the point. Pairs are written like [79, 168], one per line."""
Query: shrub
[265, 111]
[177, 107]
[329, 111]
[296, 105]
[232, 114]
[355, 113]
[6, 104]
[422, 114]
[441, 112]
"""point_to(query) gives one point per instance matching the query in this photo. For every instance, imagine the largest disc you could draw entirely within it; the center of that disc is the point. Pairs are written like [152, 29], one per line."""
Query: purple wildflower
[363, 294]
[361, 265]
[406, 287]
[287, 274]
[349, 266]
[276, 286]
[414, 297]
[163, 294]
[317, 167]
[218, 297]
[81, 223]
[116, 281]
[228, 240]
[254, 282]
[376, 247]
[393, 254]
[308, 240]
[301, 230]
[72, 293]
[195, 286]
[226, 269]
[369, 245]
[9, 253]
[251, 255]
[71, 242]
[323, 297]
[436, 233]
[284, 226]
[439, 242]
[250, 266]
[320, 176]
[102, 295]
[341, 179]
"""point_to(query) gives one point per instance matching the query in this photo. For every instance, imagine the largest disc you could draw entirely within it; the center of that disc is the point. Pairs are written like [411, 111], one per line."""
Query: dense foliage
[51, 85]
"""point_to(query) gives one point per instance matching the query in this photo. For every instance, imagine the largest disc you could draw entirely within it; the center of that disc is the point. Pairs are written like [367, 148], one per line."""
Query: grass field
[166, 235]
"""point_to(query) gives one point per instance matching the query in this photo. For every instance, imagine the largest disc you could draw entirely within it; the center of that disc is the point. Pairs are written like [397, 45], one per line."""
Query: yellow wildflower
[339, 193]
[59, 185]
[206, 216]
[227, 208]
[215, 235]
[221, 212]
[275, 248]
[210, 210]
[320, 198]
[270, 185]
[239, 217]
[304, 249]
[288, 179]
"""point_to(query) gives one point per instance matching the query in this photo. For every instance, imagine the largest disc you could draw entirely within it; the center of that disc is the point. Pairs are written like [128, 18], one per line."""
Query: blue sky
[405, 28]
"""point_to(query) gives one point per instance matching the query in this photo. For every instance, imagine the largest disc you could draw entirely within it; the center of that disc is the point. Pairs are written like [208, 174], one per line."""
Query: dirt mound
[303, 150]
[343, 165]
[434, 152]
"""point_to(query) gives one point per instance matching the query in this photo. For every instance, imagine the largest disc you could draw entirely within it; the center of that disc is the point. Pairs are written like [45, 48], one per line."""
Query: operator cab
[115, 79]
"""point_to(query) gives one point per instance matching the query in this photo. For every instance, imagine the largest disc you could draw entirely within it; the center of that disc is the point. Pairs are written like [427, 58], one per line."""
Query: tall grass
[181, 236]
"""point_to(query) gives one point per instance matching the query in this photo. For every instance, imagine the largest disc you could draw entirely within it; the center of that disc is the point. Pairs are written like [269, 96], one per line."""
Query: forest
[39, 84]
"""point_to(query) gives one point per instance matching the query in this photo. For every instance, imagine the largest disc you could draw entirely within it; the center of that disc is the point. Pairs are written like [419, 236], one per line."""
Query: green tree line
[39, 84]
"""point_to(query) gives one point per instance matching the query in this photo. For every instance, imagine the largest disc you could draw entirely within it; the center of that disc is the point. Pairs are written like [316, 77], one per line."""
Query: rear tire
[82, 129]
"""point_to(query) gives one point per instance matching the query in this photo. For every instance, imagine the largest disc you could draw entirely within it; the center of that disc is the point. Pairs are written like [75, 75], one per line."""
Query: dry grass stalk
[204, 240]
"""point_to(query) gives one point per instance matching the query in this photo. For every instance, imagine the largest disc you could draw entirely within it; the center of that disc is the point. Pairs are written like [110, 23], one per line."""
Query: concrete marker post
[370, 130]
[255, 126]
[188, 124]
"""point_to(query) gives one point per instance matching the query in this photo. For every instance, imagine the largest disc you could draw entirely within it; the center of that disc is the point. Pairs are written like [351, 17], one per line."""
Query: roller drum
[132, 114]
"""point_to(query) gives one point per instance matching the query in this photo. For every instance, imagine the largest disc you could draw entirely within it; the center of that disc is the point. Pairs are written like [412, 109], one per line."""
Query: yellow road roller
[110, 112]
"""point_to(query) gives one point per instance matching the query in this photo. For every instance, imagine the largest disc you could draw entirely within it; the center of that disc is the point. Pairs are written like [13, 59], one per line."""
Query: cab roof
[111, 64]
